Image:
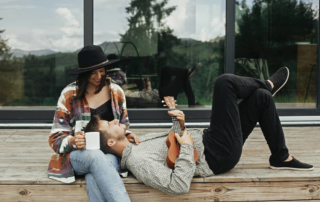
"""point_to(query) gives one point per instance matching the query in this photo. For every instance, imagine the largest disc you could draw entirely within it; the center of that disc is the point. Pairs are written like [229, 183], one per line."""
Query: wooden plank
[43, 193]
[263, 150]
[310, 200]
[29, 174]
[30, 144]
[257, 133]
[256, 129]
[6, 150]
[23, 155]
[4, 135]
[259, 175]
[5, 158]
[25, 161]
[5, 131]
[22, 164]
[249, 191]
[30, 136]
[262, 166]
[44, 163]
[20, 140]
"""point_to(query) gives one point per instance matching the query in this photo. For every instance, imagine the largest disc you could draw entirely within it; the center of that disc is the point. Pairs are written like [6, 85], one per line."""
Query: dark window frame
[160, 115]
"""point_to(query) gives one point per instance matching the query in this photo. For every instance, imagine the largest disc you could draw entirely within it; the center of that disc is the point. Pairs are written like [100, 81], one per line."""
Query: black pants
[172, 87]
[231, 123]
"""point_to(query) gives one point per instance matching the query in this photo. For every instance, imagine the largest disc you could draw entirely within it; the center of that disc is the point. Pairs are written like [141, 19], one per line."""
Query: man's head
[111, 133]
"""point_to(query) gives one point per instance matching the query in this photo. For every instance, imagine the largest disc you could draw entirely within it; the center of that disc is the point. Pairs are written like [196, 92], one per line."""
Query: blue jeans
[101, 175]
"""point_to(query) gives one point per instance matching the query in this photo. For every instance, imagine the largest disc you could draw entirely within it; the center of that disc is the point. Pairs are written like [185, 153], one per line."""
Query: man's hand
[80, 140]
[185, 138]
[179, 115]
[133, 138]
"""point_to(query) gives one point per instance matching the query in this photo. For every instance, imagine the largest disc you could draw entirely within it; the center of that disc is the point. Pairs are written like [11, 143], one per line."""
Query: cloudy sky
[38, 24]
[197, 19]
[58, 24]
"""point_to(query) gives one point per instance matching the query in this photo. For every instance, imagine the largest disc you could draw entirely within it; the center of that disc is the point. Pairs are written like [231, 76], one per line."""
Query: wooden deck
[25, 154]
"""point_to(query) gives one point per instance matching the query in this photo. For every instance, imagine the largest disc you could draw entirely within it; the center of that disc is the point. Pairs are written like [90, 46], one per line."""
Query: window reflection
[275, 33]
[39, 41]
[167, 47]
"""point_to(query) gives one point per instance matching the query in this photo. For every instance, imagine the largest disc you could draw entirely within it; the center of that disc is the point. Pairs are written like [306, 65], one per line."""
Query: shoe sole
[283, 83]
[289, 168]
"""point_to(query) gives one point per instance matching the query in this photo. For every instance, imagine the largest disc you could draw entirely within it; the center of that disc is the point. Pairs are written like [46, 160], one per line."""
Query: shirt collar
[125, 154]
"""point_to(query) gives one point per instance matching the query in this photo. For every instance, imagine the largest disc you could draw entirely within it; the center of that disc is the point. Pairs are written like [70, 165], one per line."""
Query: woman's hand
[133, 138]
[80, 140]
[179, 115]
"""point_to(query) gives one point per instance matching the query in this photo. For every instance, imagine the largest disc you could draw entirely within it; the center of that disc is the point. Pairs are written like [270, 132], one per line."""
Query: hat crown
[90, 56]
[112, 56]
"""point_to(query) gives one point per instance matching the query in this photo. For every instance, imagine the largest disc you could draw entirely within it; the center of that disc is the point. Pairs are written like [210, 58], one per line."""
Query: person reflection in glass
[168, 86]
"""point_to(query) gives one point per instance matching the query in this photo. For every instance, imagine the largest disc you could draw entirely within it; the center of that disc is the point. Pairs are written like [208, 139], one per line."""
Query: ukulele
[172, 143]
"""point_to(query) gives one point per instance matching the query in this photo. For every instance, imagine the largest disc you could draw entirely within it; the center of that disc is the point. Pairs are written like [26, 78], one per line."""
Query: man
[219, 148]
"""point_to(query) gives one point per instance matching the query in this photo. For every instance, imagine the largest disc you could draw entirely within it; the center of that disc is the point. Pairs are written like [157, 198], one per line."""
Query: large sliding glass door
[270, 34]
[39, 42]
[151, 35]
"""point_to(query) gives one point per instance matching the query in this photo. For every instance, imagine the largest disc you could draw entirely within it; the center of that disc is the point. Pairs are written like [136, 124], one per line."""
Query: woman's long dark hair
[82, 83]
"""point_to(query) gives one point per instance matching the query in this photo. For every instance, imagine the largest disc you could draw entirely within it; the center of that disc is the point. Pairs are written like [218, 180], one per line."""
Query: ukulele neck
[176, 126]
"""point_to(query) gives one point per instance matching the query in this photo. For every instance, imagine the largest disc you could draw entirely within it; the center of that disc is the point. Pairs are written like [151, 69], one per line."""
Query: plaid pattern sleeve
[119, 104]
[161, 177]
[61, 140]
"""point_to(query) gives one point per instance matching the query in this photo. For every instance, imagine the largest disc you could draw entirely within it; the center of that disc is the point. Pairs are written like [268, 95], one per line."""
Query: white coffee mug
[92, 140]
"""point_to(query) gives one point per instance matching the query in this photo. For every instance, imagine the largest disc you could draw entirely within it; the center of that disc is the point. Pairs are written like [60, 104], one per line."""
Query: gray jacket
[147, 162]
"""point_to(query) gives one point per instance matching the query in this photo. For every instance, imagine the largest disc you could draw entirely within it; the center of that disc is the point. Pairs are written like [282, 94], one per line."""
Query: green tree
[270, 30]
[273, 23]
[145, 21]
[11, 76]
[4, 48]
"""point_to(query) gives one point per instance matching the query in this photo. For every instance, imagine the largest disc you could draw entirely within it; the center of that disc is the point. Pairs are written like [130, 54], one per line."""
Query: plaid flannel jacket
[147, 162]
[68, 111]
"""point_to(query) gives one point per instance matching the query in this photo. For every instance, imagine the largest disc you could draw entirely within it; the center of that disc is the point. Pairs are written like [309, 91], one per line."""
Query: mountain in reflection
[20, 53]
[108, 47]
[116, 46]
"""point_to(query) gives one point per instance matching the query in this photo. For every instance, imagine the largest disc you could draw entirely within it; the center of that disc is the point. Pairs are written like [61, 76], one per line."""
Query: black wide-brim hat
[91, 58]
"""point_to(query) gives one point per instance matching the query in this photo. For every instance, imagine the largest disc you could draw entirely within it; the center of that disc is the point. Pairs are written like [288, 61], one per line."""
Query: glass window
[275, 33]
[39, 41]
[173, 47]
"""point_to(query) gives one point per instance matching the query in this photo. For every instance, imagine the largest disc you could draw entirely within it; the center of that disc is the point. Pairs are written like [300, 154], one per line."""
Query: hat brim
[80, 71]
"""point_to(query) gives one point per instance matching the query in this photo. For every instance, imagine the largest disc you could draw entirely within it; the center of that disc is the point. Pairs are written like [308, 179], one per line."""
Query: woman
[91, 94]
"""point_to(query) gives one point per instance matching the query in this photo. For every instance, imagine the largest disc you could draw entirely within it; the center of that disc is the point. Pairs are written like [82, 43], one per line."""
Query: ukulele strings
[176, 126]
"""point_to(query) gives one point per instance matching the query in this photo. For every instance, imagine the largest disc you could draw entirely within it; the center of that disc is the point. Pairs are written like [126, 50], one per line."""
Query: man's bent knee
[223, 80]
[263, 93]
